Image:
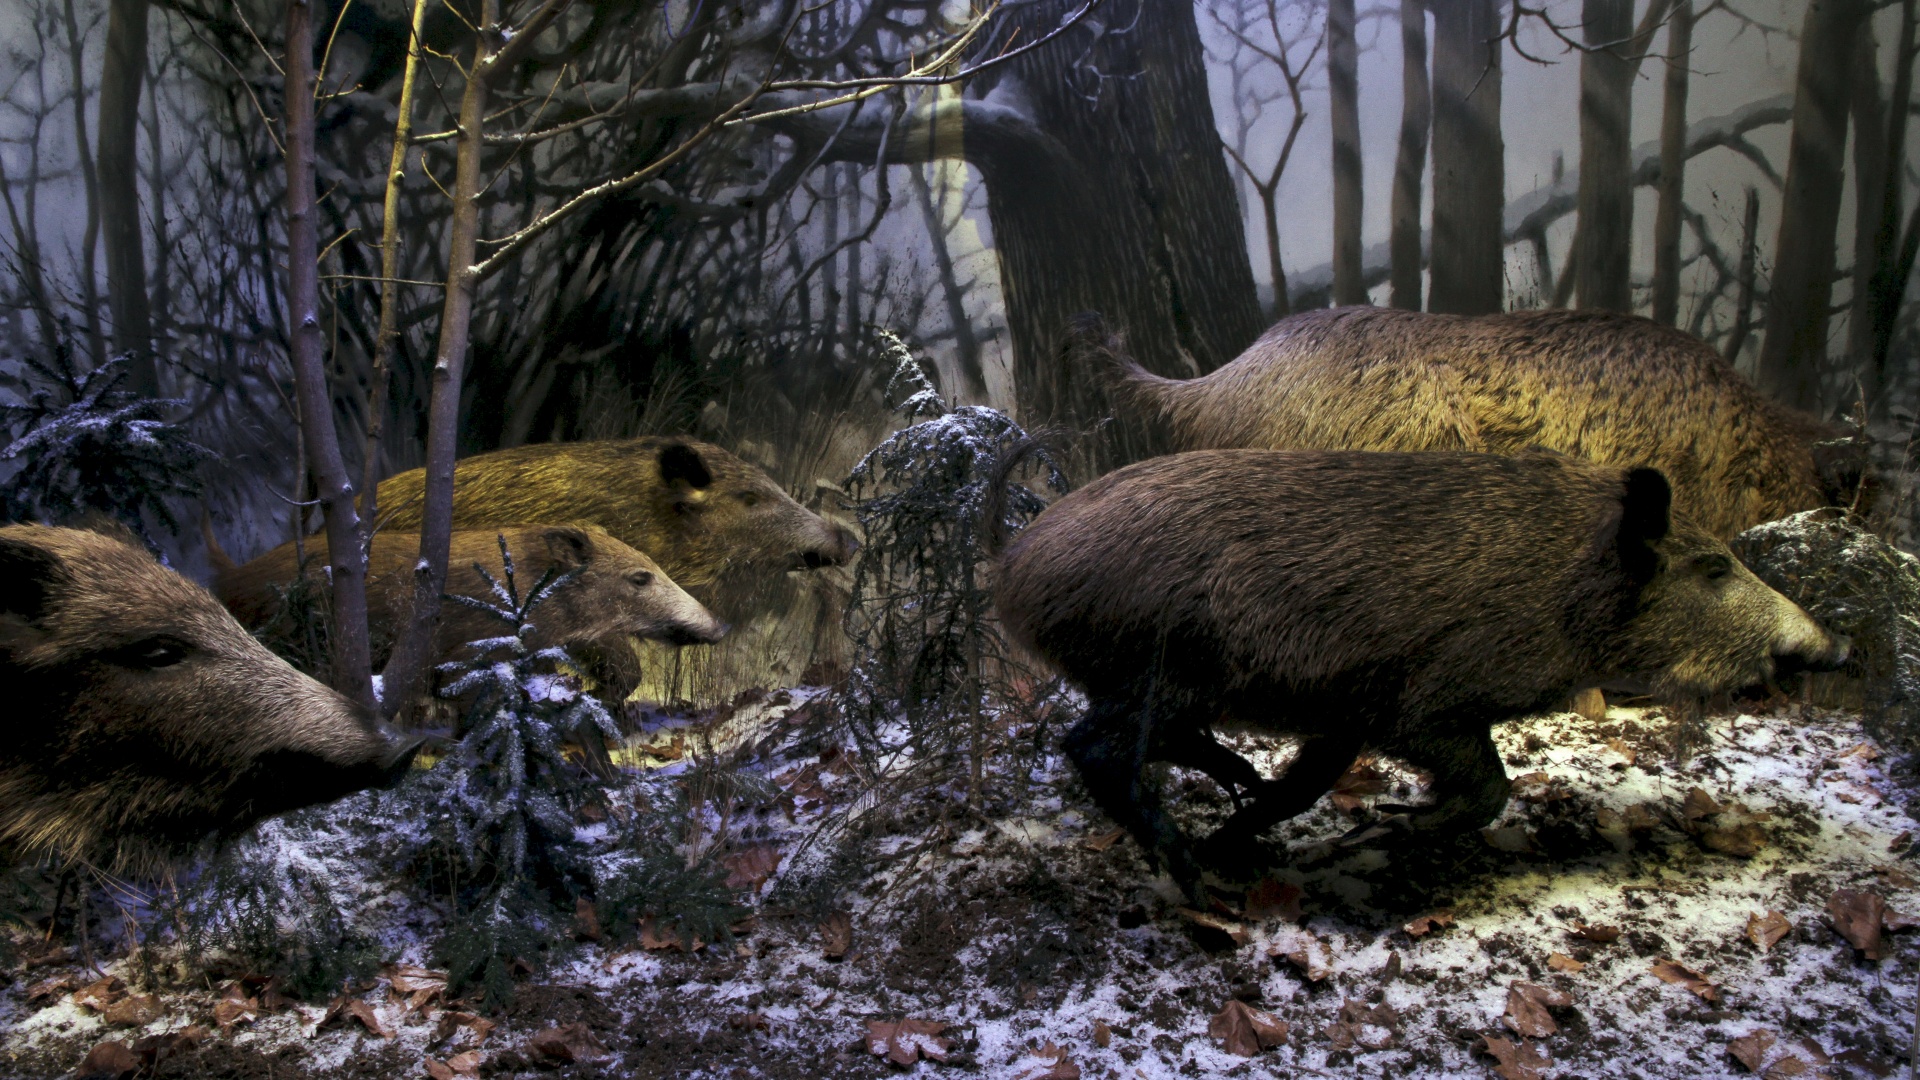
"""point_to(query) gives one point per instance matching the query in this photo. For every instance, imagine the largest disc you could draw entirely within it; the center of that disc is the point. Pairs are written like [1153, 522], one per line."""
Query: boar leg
[1470, 785]
[1202, 752]
[1311, 774]
[1109, 746]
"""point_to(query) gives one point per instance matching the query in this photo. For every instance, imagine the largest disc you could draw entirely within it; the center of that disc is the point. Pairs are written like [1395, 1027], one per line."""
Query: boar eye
[749, 498]
[150, 653]
[1715, 567]
[640, 578]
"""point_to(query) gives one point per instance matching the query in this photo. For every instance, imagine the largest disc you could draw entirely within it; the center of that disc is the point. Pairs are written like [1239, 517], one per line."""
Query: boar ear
[680, 465]
[1646, 509]
[571, 548]
[28, 576]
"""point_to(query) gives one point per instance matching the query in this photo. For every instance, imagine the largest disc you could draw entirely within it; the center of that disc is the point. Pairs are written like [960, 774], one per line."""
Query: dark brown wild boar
[1406, 602]
[614, 592]
[1607, 387]
[700, 512]
[143, 717]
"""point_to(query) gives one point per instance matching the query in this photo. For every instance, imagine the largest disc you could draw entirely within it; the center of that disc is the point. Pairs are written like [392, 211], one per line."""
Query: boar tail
[1099, 352]
[993, 508]
[216, 555]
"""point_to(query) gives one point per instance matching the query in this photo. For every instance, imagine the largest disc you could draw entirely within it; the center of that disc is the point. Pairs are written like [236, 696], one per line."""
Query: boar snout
[713, 630]
[1833, 657]
[838, 550]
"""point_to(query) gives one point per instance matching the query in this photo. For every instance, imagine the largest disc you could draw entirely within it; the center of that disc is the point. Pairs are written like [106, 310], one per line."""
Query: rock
[1860, 585]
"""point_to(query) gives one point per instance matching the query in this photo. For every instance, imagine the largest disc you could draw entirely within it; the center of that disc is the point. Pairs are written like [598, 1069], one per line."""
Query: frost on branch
[76, 443]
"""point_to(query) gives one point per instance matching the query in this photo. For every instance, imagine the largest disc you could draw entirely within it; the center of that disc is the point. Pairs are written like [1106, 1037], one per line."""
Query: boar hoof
[1397, 826]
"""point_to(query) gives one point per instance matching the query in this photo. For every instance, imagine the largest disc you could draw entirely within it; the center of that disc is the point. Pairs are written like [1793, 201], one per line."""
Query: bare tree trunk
[1673, 163]
[1469, 176]
[161, 298]
[1793, 353]
[124, 73]
[387, 338]
[1605, 228]
[347, 638]
[1416, 118]
[1869, 116]
[1749, 268]
[89, 176]
[966, 344]
[1889, 282]
[406, 670]
[1343, 86]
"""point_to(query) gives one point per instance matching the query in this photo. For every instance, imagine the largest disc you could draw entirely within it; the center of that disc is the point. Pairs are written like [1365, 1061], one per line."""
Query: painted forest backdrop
[693, 216]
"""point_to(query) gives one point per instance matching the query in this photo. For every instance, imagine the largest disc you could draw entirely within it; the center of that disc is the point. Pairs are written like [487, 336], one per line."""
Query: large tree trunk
[1343, 86]
[1673, 163]
[1469, 176]
[1869, 173]
[1119, 202]
[1795, 347]
[1416, 118]
[349, 654]
[1605, 230]
[1888, 284]
[124, 73]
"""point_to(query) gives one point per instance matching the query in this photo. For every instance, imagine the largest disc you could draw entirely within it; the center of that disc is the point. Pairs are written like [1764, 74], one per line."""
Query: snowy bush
[925, 646]
[500, 808]
[77, 443]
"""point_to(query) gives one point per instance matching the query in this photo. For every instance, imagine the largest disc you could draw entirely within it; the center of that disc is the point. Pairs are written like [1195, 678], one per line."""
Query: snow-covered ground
[1617, 895]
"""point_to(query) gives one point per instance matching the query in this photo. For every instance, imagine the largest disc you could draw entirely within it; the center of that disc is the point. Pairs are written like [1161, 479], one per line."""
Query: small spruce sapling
[500, 806]
[77, 443]
[925, 645]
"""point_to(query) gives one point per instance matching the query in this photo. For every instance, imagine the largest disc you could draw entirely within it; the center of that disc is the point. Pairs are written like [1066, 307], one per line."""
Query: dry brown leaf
[51, 987]
[1244, 1030]
[235, 1008]
[586, 920]
[906, 1041]
[154, 1049]
[1273, 899]
[1861, 752]
[1612, 828]
[99, 994]
[1105, 840]
[1600, 935]
[1206, 921]
[1670, 970]
[1591, 704]
[1102, 1034]
[1355, 1020]
[134, 1010]
[1517, 1061]
[1563, 962]
[346, 1007]
[1698, 804]
[1512, 839]
[452, 1021]
[1362, 779]
[1766, 930]
[457, 1067]
[1540, 787]
[751, 1021]
[751, 866]
[836, 934]
[109, 1061]
[1735, 830]
[1893, 921]
[1858, 916]
[1751, 1049]
[1621, 747]
[419, 986]
[569, 1043]
[1309, 954]
[1423, 925]
[655, 935]
[1527, 1005]
[1057, 1066]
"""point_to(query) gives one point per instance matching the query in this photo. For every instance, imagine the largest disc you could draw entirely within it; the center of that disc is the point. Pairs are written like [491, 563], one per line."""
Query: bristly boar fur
[143, 718]
[1607, 387]
[614, 591]
[1406, 602]
[696, 509]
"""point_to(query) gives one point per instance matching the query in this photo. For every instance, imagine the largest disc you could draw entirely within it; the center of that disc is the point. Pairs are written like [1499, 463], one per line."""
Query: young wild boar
[143, 717]
[701, 512]
[615, 591]
[1611, 388]
[1406, 602]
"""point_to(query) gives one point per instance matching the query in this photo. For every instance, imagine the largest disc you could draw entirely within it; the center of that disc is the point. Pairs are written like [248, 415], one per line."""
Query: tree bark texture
[118, 168]
[1416, 119]
[347, 636]
[1343, 86]
[1469, 176]
[1115, 199]
[1673, 163]
[1889, 282]
[1793, 352]
[1869, 117]
[1605, 230]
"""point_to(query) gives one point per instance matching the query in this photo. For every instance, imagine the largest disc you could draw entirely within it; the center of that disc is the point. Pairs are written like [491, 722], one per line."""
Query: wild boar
[1611, 388]
[1406, 602]
[144, 717]
[615, 591]
[700, 512]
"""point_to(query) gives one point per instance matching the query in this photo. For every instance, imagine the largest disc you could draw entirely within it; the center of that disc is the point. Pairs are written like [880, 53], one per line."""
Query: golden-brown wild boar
[1610, 388]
